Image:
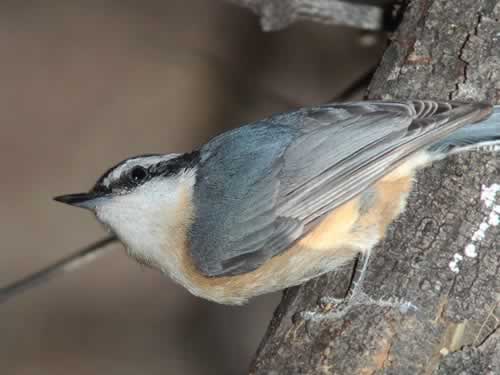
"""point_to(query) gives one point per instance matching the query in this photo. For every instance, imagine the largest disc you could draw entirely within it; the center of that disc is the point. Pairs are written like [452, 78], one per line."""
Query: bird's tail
[483, 135]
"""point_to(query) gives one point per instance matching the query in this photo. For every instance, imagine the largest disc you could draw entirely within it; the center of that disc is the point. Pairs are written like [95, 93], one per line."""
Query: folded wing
[262, 187]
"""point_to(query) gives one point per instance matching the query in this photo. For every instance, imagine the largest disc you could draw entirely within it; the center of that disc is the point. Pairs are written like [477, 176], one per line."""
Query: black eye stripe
[139, 174]
[110, 170]
[175, 165]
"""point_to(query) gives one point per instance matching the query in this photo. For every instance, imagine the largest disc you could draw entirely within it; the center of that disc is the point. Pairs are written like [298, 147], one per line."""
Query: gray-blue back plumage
[263, 186]
[235, 175]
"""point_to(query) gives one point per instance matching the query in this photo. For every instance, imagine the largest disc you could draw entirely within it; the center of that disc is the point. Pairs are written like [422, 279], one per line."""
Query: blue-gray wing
[261, 187]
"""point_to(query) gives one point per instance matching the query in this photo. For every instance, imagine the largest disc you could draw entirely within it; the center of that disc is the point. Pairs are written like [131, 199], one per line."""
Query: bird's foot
[336, 308]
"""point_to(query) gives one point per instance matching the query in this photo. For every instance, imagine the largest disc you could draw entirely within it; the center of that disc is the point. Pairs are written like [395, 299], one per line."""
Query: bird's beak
[83, 200]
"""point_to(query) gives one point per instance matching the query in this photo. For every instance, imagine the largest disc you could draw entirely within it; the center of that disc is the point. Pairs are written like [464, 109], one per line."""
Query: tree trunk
[442, 253]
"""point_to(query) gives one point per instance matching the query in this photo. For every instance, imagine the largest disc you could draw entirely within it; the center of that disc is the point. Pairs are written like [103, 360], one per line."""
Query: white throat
[150, 219]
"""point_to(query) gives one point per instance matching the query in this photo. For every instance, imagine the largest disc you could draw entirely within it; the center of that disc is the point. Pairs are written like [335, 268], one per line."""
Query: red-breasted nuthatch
[282, 200]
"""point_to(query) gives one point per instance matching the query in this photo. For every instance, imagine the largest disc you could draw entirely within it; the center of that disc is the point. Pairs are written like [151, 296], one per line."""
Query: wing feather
[263, 186]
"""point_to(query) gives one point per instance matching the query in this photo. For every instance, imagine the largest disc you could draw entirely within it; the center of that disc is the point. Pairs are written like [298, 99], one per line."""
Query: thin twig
[356, 87]
[67, 264]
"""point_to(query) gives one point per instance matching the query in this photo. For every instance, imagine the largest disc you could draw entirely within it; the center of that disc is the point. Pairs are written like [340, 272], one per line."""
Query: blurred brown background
[85, 84]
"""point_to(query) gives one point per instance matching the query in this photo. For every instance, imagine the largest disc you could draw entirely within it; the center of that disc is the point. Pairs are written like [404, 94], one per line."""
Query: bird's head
[140, 197]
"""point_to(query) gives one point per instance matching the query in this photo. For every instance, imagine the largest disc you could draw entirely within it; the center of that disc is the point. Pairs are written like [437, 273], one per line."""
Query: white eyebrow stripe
[129, 164]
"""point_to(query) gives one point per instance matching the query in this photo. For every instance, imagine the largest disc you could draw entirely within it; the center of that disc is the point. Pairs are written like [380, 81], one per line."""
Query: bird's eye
[138, 174]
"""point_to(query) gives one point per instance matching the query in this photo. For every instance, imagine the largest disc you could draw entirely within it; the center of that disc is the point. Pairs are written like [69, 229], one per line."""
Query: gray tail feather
[484, 135]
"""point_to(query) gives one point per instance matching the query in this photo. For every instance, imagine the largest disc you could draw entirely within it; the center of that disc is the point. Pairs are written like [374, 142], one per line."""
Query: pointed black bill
[83, 200]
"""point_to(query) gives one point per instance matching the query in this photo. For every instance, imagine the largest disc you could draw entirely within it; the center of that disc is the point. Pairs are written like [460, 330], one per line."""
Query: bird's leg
[356, 293]
[355, 297]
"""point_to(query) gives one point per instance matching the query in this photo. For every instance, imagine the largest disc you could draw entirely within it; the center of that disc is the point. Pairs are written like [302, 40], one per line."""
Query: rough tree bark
[442, 50]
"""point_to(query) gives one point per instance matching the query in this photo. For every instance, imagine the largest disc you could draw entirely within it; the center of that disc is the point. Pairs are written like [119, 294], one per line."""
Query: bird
[279, 201]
